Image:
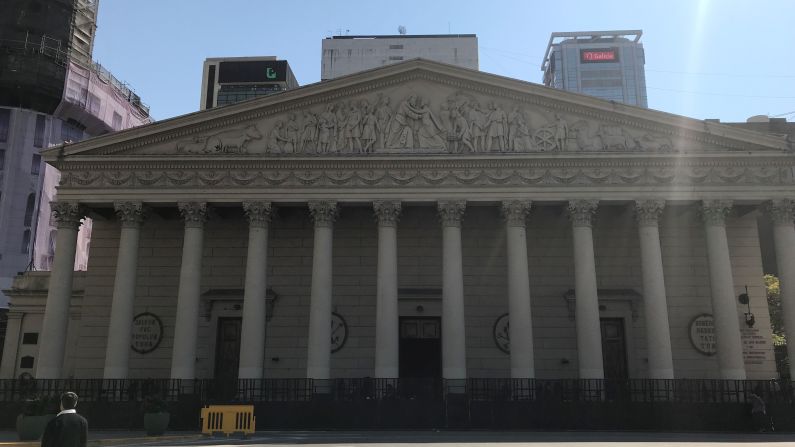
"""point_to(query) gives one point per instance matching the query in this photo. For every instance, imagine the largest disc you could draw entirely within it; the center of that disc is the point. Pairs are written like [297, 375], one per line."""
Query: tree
[773, 289]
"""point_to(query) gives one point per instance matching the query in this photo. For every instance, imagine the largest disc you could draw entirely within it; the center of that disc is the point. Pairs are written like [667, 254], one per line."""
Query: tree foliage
[774, 306]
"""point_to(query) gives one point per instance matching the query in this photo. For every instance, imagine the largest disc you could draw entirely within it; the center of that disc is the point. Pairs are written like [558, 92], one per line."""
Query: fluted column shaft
[319, 343]
[386, 312]
[658, 332]
[781, 213]
[59, 295]
[724, 307]
[252, 345]
[589, 333]
[183, 357]
[117, 351]
[453, 328]
[520, 321]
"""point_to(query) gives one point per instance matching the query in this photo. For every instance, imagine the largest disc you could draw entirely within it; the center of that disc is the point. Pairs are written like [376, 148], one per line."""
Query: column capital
[715, 212]
[68, 214]
[648, 212]
[131, 214]
[194, 213]
[451, 212]
[387, 212]
[259, 213]
[324, 212]
[515, 212]
[581, 212]
[780, 211]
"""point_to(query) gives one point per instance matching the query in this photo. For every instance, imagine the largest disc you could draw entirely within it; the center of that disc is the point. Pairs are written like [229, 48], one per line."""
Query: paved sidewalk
[109, 438]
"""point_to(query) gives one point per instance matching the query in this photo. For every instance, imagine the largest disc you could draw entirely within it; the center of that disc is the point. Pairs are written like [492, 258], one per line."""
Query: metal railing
[303, 390]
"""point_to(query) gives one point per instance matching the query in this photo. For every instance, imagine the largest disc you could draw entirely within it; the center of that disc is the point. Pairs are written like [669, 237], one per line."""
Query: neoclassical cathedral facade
[417, 220]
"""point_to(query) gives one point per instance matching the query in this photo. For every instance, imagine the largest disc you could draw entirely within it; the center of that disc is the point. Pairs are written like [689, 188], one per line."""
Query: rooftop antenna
[402, 30]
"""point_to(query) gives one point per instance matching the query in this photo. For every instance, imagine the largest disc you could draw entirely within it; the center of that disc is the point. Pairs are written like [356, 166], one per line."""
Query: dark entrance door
[420, 357]
[227, 357]
[614, 356]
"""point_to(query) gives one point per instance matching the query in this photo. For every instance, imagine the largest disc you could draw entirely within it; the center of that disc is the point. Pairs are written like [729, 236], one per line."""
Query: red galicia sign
[608, 55]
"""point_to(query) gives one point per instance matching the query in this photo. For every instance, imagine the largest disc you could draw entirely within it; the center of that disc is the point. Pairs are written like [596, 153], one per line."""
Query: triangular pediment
[419, 107]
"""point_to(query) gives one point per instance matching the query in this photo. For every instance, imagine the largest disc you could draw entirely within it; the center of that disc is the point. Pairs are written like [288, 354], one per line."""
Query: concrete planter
[156, 424]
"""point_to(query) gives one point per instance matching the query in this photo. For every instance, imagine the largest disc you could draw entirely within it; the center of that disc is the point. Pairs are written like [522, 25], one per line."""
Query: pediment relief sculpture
[419, 119]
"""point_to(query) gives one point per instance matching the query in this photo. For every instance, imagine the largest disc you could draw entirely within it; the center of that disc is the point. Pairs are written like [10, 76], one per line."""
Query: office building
[50, 92]
[343, 55]
[227, 80]
[394, 275]
[605, 64]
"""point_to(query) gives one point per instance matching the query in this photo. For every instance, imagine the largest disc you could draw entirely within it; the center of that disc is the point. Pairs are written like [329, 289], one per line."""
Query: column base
[249, 373]
[661, 374]
[454, 373]
[523, 373]
[48, 373]
[733, 374]
[390, 372]
[592, 374]
[114, 373]
[317, 373]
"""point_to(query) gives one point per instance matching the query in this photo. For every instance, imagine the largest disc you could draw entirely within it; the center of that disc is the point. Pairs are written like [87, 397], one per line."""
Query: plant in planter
[156, 415]
[37, 411]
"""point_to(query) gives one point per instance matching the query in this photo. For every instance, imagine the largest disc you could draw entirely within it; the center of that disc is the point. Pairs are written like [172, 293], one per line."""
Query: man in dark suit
[68, 429]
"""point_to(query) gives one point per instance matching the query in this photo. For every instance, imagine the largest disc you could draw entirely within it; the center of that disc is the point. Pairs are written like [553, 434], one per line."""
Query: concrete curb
[114, 441]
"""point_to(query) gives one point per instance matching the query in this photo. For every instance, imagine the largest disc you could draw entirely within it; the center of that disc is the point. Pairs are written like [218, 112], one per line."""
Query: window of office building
[5, 123]
[25, 242]
[2, 159]
[35, 164]
[71, 132]
[116, 124]
[38, 135]
[29, 209]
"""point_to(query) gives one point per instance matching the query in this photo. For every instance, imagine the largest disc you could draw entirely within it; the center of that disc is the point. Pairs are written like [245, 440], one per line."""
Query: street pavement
[436, 439]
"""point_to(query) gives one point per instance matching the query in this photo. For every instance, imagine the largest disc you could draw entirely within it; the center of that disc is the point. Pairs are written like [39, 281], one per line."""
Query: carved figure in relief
[327, 129]
[585, 138]
[518, 133]
[369, 134]
[353, 130]
[430, 131]
[614, 138]
[401, 133]
[277, 138]
[230, 141]
[340, 139]
[309, 134]
[561, 132]
[650, 142]
[383, 116]
[460, 136]
[292, 132]
[476, 126]
[497, 126]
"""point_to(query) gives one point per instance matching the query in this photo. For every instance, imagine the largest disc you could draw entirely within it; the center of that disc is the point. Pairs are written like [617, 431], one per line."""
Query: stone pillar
[252, 344]
[781, 213]
[453, 328]
[10, 358]
[589, 332]
[520, 321]
[658, 332]
[386, 313]
[183, 357]
[117, 352]
[724, 302]
[324, 213]
[56, 313]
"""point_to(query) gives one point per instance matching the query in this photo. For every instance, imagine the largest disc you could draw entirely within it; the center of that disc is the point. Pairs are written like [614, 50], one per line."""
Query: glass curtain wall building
[605, 64]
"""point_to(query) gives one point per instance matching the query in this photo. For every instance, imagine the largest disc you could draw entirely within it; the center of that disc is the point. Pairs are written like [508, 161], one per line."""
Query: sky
[725, 59]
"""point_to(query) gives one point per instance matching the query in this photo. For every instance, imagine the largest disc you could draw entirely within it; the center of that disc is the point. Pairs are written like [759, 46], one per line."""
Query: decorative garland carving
[648, 212]
[387, 212]
[581, 212]
[258, 213]
[715, 212]
[451, 212]
[131, 214]
[515, 212]
[324, 212]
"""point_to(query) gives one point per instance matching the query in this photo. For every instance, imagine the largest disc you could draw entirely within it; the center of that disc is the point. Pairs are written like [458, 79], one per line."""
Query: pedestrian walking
[68, 429]
[758, 411]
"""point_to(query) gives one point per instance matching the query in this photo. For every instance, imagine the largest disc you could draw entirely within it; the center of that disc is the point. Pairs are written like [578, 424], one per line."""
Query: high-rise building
[227, 80]
[605, 64]
[344, 55]
[51, 92]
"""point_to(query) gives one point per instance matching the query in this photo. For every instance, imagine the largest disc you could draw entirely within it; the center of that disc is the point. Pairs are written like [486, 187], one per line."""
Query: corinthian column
[252, 345]
[520, 321]
[781, 212]
[724, 307]
[386, 312]
[324, 213]
[454, 364]
[658, 332]
[183, 358]
[589, 333]
[117, 352]
[56, 313]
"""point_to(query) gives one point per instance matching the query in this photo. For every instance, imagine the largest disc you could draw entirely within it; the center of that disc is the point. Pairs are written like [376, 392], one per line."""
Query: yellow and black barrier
[228, 419]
